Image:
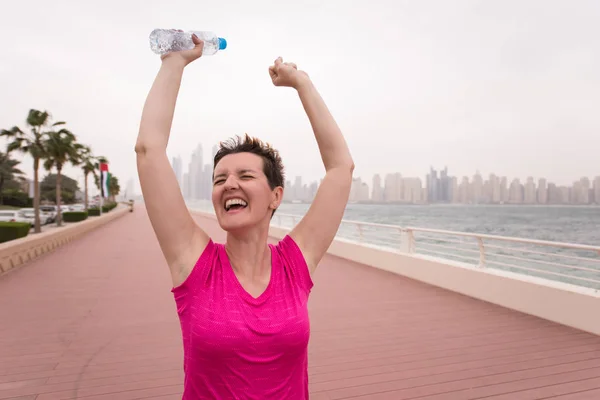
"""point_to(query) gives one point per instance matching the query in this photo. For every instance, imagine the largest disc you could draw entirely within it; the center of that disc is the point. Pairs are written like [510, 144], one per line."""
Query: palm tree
[8, 172]
[89, 167]
[113, 187]
[32, 143]
[61, 148]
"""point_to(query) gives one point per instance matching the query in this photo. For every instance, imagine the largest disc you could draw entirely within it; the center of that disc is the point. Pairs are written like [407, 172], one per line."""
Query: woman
[242, 305]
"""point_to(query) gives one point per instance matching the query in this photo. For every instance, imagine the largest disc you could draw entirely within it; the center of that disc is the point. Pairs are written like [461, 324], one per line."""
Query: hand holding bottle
[186, 56]
[185, 46]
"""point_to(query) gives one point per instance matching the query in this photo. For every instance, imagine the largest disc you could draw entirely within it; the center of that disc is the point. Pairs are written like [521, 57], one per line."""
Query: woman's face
[241, 196]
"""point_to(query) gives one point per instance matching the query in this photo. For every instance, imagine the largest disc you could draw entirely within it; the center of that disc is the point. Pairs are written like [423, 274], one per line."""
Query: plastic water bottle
[164, 41]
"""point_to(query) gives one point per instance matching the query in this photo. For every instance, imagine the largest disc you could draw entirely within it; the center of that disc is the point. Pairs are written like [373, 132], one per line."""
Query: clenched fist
[287, 74]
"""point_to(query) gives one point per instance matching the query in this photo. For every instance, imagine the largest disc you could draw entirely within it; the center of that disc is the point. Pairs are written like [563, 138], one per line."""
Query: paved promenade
[96, 320]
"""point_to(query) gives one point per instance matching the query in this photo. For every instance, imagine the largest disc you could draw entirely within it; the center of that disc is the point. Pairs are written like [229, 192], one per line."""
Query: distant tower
[177, 164]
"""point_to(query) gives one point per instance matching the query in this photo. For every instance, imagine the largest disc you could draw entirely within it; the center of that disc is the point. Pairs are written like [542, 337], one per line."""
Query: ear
[276, 197]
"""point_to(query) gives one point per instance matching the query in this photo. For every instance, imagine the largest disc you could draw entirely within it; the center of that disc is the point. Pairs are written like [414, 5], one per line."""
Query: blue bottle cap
[222, 44]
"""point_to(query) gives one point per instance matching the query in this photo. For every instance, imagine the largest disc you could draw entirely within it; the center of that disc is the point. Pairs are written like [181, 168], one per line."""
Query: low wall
[563, 303]
[20, 251]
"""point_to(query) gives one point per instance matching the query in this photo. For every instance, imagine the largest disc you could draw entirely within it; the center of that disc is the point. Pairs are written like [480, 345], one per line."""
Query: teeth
[232, 202]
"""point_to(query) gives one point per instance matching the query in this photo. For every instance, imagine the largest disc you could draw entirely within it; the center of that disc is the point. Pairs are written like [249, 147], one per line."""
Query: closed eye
[244, 177]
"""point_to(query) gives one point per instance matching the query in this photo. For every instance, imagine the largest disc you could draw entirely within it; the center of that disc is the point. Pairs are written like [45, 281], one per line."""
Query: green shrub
[108, 206]
[95, 211]
[74, 216]
[13, 230]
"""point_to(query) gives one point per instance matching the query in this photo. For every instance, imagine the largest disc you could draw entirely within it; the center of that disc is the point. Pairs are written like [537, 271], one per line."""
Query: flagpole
[103, 180]
[101, 197]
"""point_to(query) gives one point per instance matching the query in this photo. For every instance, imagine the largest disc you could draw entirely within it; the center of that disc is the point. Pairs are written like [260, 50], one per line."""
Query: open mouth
[235, 204]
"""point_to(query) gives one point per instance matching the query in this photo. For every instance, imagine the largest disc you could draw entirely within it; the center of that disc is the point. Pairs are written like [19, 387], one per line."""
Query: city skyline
[437, 186]
[208, 153]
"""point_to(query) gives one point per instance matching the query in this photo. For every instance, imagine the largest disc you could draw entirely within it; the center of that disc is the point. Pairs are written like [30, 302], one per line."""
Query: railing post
[411, 241]
[481, 253]
[293, 222]
[407, 241]
[360, 233]
[279, 221]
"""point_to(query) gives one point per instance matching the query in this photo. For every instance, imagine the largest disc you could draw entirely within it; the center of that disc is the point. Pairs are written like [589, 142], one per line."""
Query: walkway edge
[565, 304]
[16, 253]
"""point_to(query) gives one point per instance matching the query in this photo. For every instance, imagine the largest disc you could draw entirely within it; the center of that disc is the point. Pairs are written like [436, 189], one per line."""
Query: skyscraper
[515, 192]
[214, 152]
[585, 190]
[433, 185]
[504, 194]
[477, 188]
[542, 191]
[177, 164]
[496, 195]
[463, 190]
[455, 193]
[206, 183]
[195, 170]
[377, 194]
[359, 190]
[530, 192]
[445, 186]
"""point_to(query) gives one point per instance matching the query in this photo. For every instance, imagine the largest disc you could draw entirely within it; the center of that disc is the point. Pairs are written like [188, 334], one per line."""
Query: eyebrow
[239, 171]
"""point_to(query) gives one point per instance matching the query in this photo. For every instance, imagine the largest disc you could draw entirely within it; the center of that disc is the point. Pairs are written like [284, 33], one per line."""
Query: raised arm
[315, 232]
[180, 238]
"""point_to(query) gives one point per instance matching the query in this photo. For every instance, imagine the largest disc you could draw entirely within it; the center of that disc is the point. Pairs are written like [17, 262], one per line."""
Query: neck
[248, 252]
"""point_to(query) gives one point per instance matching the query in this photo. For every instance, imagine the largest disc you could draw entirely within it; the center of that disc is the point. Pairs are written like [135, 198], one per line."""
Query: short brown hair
[272, 164]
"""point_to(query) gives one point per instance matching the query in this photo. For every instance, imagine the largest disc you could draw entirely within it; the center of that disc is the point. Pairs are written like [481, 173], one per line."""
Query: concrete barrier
[564, 303]
[17, 252]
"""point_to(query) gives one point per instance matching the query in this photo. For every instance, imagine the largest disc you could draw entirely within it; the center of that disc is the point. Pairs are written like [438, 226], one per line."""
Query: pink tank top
[237, 346]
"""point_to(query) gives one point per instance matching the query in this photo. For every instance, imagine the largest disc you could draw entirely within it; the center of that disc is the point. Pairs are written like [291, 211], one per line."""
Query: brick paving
[96, 320]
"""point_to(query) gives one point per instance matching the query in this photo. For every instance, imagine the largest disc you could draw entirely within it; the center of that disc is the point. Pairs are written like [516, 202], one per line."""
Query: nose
[231, 183]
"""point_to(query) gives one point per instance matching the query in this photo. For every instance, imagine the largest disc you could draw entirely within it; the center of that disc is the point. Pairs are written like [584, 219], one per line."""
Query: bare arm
[180, 239]
[315, 232]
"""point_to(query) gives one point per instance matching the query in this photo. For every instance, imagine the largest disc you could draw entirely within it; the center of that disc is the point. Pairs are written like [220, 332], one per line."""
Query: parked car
[51, 211]
[77, 207]
[45, 217]
[12, 216]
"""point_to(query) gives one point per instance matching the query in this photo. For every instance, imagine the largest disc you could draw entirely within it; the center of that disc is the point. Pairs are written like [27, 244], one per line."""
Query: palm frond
[48, 164]
[16, 144]
[15, 131]
[37, 118]
[60, 148]
[67, 134]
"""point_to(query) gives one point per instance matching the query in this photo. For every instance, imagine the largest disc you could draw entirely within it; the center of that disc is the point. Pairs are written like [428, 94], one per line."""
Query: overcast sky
[511, 87]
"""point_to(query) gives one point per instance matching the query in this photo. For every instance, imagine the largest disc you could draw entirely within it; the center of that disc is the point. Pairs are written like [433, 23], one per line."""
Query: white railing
[564, 262]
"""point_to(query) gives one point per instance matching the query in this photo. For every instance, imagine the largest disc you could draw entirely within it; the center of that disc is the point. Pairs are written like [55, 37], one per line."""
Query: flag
[104, 179]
